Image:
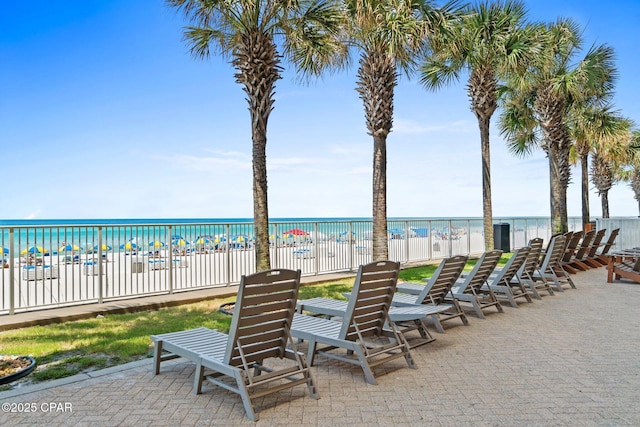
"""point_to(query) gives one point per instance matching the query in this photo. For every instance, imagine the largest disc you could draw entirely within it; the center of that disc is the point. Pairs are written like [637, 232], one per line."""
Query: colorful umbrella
[179, 242]
[129, 246]
[295, 232]
[34, 250]
[69, 248]
[201, 241]
[5, 251]
[105, 248]
[156, 244]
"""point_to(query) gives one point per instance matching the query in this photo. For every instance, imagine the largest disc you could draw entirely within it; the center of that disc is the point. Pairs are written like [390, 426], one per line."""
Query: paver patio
[569, 359]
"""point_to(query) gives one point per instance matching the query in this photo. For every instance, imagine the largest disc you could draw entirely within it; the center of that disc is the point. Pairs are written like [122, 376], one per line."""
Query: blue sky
[104, 114]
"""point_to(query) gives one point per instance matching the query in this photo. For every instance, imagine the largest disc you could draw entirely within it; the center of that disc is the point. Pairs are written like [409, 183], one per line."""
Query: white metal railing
[58, 265]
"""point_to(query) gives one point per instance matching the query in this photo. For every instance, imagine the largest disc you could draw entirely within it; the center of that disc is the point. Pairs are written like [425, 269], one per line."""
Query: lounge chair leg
[368, 373]
[244, 394]
[157, 353]
[198, 378]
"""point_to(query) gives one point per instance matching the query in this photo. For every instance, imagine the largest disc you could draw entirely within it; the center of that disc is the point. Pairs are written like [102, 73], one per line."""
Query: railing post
[449, 239]
[170, 259]
[228, 253]
[316, 256]
[276, 263]
[100, 270]
[406, 241]
[351, 244]
[12, 272]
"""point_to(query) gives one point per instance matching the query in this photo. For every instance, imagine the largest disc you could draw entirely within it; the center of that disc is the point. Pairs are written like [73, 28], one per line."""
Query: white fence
[58, 265]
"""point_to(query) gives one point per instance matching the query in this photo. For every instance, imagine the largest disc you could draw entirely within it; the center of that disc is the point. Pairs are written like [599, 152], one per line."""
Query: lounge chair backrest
[512, 266]
[482, 270]
[610, 241]
[572, 245]
[370, 299]
[554, 253]
[595, 244]
[585, 245]
[262, 316]
[533, 258]
[442, 280]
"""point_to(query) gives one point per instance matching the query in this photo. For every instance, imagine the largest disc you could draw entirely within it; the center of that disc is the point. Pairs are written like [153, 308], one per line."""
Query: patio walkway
[571, 359]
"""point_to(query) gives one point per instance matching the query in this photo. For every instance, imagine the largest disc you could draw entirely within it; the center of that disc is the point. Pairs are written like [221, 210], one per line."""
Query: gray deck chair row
[467, 289]
[409, 315]
[435, 292]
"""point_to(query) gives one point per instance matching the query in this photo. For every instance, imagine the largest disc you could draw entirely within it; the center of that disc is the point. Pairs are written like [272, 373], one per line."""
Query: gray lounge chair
[577, 261]
[469, 289]
[551, 268]
[259, 332]
[506, 284]
[591, 255]
[603, 256]
[436, 290]
[365, 336]
[527, 273]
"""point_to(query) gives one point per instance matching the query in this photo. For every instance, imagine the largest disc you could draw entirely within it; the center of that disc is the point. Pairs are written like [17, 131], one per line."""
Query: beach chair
[577, 261]
[527, 273]
[259, 331]
[506, 284]
[436, 290]
[573, 240]
[591, 255]
[365, 336]
[603, 257]
[469, 289]
[406, 319]
[551, 266]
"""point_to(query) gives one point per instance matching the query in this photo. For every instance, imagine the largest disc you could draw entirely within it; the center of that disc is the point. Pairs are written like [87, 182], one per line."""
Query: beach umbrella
[105, 248]
[179, 242]
[201, 241]
[295, 232]
[176, 237]
[34, 250]
[129, 246]
[5, 251]
[69, 248]
[156, 244]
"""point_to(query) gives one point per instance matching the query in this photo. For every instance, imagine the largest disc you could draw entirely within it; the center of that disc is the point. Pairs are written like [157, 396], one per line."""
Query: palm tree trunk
[380, 241]
[604, 197]
[557, 196]
[584, 164]
[487, 211]
[260, 205]
[257, 62]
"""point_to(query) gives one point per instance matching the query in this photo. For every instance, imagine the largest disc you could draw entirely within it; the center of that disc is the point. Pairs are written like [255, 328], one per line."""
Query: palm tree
[634, 176]
[247, 31]
[389, 34]
[608, 164]
[538, 104]
[491, 42]
[590, 127]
